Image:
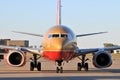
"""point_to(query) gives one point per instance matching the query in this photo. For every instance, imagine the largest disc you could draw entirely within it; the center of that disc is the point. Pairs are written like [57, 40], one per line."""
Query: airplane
[59, 45]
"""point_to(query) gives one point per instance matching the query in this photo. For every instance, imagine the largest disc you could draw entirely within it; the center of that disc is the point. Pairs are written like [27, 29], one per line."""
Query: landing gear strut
[83, 64]
[35, 64]
[59, 68]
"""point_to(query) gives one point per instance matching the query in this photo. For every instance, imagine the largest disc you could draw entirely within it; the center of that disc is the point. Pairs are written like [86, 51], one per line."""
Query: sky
[82, 16]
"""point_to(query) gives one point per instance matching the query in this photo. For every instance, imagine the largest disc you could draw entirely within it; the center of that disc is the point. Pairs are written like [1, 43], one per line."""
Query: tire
[39, 66]
[61, 69]
[31, 66]
[86, 67]
[57, 70]
[79, 67]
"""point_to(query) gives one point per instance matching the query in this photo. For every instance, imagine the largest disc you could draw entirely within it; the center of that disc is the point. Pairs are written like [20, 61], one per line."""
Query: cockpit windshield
[57, 36]
[64, 35]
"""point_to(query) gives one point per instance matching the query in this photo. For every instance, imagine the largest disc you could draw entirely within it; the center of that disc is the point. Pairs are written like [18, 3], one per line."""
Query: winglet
[58, 20]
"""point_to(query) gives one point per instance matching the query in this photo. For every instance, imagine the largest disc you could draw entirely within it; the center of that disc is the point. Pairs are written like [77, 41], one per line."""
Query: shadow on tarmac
[85, 77]
[65, 71]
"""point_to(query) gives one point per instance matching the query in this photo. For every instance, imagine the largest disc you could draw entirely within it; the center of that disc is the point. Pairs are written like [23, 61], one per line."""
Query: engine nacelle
[102, 59]
[15, 58]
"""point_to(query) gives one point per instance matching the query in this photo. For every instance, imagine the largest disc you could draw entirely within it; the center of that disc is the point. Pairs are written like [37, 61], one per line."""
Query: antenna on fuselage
[58, 20]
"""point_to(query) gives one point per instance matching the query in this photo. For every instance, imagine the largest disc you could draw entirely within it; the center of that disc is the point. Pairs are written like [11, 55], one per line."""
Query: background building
[112, 45]
[9, 42]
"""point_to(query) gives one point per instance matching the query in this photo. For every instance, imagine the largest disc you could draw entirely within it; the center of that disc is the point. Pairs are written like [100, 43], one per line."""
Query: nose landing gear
[59, 68]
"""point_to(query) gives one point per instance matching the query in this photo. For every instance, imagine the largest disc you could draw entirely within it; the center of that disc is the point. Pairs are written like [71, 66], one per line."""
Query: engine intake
[102, 59]
[16, 58]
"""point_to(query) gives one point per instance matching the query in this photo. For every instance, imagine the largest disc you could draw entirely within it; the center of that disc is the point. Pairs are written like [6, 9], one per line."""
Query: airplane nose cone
[59, 46]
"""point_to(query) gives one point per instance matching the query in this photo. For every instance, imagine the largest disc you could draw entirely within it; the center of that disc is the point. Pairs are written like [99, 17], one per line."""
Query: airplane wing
[81, 35]
[25, 49]
[80, 52]
[39, 35]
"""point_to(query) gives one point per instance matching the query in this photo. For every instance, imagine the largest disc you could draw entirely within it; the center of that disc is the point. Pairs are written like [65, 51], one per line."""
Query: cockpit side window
[50, 36]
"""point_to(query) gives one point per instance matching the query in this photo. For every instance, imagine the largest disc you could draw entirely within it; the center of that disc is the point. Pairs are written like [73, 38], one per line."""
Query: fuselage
[59, 43]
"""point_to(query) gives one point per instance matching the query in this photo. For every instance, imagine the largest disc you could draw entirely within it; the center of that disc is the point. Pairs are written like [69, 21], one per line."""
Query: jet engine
[15, 58]
[102, 59]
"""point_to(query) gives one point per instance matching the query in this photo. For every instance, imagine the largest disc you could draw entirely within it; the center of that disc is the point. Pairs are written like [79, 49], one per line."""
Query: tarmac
[70, 72]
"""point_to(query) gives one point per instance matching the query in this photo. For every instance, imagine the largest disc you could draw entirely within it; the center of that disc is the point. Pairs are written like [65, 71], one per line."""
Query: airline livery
[59, 44]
